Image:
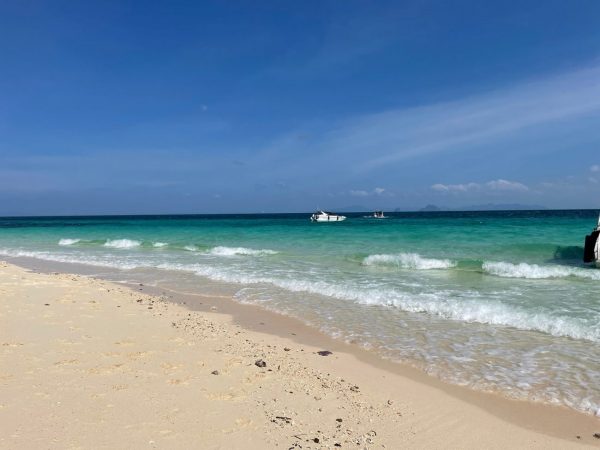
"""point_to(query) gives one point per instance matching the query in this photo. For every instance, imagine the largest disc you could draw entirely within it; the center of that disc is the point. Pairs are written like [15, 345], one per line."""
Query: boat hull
[591, 252]
[329, 219]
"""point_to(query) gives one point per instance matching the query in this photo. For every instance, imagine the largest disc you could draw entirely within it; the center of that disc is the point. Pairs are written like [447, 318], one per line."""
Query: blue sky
[233, 106]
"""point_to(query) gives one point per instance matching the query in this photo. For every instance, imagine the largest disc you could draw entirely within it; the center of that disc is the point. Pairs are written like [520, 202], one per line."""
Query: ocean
[496, 301]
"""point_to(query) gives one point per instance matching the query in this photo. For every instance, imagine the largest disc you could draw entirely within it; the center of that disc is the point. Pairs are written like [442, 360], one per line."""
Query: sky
[125, 107]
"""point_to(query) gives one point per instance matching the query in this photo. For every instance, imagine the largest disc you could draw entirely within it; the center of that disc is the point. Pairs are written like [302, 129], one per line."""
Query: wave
[235, 251]
[122, 243]
[71, 259]
[408, 261]
[159, 244]
[535, 271]
[191, 248]
[468, 307]
[499, 269]
[68, 241]
[471, 309]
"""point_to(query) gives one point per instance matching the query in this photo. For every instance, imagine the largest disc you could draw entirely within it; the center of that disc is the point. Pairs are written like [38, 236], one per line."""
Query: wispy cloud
[347, 37]
[400, 134]
[378, 191]
[439, 187]
[379, 140]
[494, 185]
[505, 185]
[595, 168]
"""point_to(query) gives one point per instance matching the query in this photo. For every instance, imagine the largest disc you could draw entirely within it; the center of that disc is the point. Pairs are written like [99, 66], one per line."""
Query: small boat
[323, 216]
[376, 215]
[591, 250]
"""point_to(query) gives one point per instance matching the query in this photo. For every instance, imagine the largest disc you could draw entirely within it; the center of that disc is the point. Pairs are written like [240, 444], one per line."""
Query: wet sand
[86, 363]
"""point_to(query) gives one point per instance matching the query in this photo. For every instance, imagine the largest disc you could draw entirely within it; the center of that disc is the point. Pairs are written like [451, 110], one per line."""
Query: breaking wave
[470, 307]
[474, 309]
[159, 244]
[408, 261]
[122, 243]
[68, 241]
[535, 271]
[500, 269]
[235, 251]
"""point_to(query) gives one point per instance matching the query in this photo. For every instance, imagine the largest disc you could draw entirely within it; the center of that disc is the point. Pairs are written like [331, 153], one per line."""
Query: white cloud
[593, 180]
[595, 168]
[456, 187]
[505, 185]
[359, 193]
[440, 187]
[493, 185]
[363, 193]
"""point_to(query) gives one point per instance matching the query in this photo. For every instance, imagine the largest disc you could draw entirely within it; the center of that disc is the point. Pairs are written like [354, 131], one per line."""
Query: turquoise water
[498, 301]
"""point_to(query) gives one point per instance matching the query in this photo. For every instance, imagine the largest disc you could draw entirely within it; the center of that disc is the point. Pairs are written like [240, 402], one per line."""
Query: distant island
[502, 207]
[485, 207]
[430, 208]
[437, 208]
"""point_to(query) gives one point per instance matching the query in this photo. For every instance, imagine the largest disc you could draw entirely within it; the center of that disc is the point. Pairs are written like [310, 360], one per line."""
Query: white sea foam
[191, 248]
[122, 243]
[408, 261]
[469, 307]
[68, 241]
[72, 259]
[472, 309]
[535, 271]
[159, 244]
[235, 251]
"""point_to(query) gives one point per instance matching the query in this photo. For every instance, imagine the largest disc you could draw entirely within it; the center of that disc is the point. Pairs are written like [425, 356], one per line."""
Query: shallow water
[496, 301]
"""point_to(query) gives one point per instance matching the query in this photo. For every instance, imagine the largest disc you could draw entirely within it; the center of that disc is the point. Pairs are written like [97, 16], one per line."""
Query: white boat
[591, 251]
[376, 215]
[322, 216]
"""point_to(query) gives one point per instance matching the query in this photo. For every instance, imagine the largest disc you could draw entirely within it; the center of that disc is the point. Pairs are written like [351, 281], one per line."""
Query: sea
[496, 301]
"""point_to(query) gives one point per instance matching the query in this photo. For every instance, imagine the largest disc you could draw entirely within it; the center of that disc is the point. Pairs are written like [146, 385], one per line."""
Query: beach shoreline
[462, 416]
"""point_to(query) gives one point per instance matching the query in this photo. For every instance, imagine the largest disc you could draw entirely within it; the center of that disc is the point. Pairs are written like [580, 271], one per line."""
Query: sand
[85, 363]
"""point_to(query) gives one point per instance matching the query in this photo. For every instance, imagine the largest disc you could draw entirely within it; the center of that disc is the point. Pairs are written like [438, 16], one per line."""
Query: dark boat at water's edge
[591, 252]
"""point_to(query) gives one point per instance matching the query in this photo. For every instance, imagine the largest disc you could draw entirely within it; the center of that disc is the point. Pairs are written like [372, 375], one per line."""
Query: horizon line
[57, 216]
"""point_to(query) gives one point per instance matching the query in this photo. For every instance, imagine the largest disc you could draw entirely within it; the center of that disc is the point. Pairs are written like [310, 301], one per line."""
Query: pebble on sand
[260, 363]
